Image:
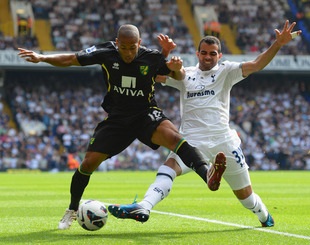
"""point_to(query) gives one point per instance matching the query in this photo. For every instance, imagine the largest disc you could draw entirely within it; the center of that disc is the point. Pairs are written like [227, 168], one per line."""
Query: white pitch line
[267, 230]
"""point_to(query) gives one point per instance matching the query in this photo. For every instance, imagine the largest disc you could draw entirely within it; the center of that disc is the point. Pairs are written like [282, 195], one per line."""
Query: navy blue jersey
[130, 86]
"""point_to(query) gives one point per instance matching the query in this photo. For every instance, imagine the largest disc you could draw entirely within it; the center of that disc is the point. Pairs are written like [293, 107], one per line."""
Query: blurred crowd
[56, 115]
[274, 111]
[79, 24]
[254, 23]
[53, 116]
[12, 43]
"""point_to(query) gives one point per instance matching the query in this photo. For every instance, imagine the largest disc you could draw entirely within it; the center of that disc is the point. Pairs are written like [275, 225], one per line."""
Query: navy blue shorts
[117, 132]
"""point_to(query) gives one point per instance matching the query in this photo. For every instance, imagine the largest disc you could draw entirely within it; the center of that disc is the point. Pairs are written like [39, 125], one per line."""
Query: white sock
[255, 204]
[160, 187]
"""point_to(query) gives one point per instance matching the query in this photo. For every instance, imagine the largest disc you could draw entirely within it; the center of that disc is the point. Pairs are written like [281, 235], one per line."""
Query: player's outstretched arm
[161, 78]
[62, 60]
[282, 38]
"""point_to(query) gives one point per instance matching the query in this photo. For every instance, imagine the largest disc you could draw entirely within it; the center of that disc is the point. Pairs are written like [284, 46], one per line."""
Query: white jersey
[205, 100]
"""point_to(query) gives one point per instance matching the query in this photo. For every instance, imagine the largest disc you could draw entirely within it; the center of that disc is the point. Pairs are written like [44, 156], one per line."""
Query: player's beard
[206, 65]
[128, 59]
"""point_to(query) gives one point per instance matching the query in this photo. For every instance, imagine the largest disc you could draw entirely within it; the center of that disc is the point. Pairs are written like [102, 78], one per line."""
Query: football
[92, 215]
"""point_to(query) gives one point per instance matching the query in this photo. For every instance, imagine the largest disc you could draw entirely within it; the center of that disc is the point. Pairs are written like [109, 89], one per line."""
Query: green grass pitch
[32, 203]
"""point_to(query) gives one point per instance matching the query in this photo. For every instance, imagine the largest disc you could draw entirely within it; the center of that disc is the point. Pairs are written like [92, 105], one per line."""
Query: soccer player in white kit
[205, 102]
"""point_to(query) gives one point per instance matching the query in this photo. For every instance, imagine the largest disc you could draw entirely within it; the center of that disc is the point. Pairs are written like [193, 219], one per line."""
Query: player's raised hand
[286, 35]
[166, 43]
[175, 63]
[29, 55]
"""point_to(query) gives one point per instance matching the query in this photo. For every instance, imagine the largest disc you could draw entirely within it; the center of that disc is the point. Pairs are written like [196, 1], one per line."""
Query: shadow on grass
[61, 237]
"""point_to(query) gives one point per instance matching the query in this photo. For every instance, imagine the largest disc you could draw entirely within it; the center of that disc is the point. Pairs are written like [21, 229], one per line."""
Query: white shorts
[236, 173]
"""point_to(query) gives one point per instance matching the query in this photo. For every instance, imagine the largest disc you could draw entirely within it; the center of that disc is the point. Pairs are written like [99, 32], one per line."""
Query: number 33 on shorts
[240, 159]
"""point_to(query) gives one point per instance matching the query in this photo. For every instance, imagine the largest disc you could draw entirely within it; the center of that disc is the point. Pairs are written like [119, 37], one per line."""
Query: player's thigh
[157, 130]
[236, 173]
[167, 135]
[235, 159]
[110, 138]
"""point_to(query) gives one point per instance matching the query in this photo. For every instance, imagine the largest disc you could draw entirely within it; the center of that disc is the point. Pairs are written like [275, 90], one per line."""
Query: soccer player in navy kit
[129, 71]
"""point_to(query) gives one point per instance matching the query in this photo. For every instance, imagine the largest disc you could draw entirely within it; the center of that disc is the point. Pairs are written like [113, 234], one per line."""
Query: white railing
[287, 63]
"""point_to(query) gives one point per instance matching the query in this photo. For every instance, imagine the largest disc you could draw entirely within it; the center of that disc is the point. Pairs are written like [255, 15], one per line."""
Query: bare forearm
[264, 58]
[165, 52]
[261, 60]
[61, 60]
[178, 75]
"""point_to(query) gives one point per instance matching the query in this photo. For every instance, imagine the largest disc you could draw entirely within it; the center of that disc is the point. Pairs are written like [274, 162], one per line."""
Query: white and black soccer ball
[92, 215]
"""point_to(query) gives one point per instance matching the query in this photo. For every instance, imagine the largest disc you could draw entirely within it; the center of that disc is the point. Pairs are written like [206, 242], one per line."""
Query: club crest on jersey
[144, 70]
[200, 87]
[213, 76]
[92, 140]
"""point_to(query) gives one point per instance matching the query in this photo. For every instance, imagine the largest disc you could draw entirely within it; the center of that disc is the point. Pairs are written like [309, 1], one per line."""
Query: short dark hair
[128, 30]
[210, 40]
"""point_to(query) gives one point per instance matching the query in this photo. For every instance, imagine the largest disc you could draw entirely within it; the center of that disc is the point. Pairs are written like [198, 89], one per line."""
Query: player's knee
[249, 202]
[243, 193]
[172, 163]
[83, 169]
[91, 161]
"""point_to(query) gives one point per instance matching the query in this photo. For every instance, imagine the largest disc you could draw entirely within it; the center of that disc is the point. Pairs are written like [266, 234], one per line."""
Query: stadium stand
[78, 24]
[253, 34]
[273, 120]
[55, 112]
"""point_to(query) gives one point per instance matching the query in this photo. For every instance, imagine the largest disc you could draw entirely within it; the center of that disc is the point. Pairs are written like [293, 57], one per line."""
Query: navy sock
[192, 158]
[78, 184]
